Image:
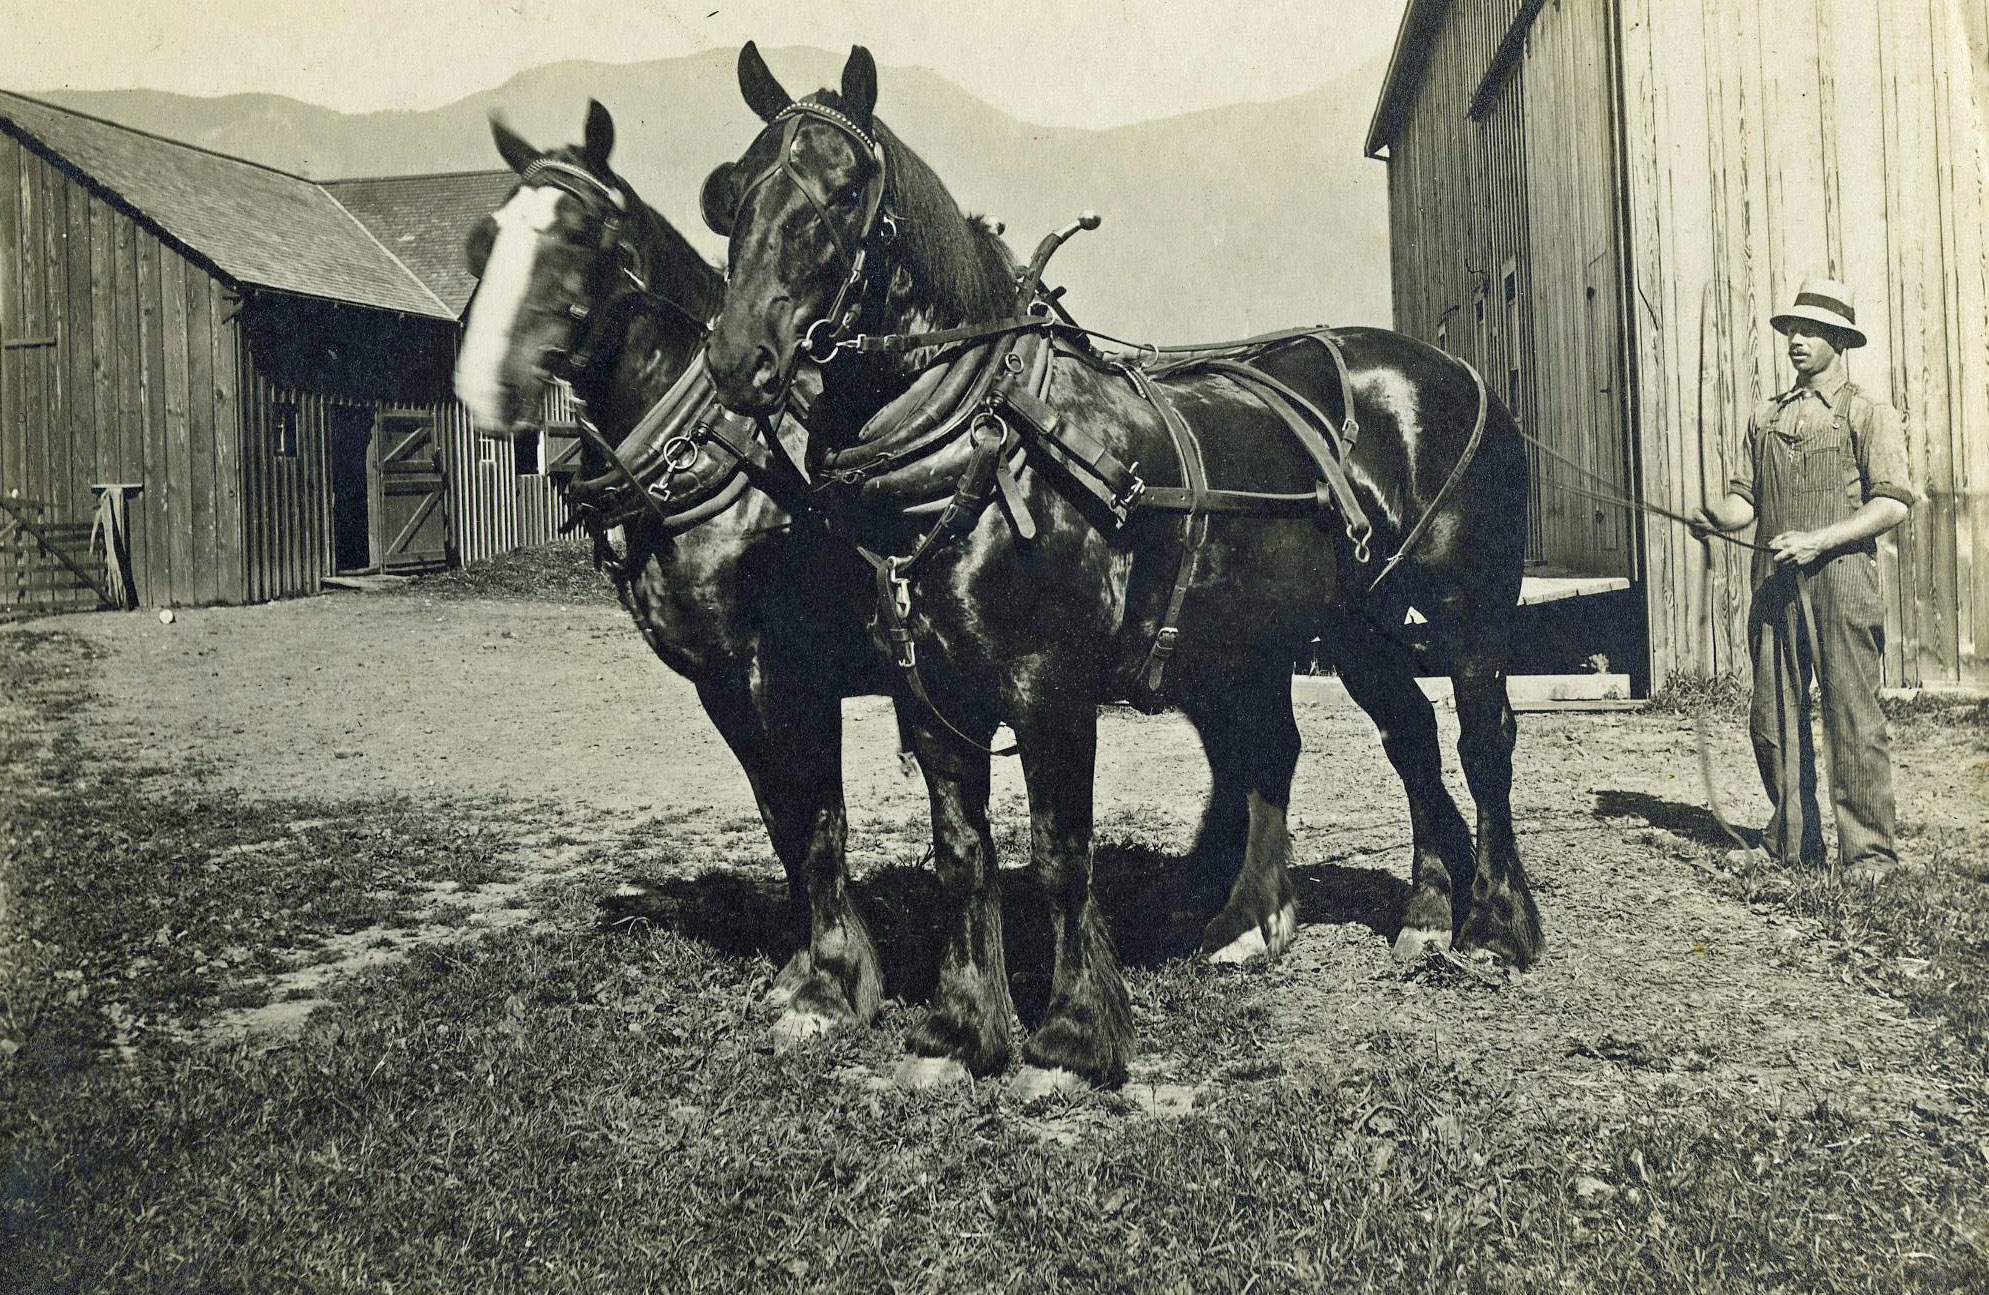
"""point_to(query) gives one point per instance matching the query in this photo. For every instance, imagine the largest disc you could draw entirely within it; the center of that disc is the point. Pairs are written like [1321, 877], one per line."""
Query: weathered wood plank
[151, 546]
[176, 502]
[14, 434]
[81, 385]
[103, 353]
[230, 527]
[32, 393]
[202, 474]
[130, 377]
[56, 431]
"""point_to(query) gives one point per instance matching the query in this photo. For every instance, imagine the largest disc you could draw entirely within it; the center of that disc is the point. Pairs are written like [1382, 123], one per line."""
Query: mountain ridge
[1218, 221]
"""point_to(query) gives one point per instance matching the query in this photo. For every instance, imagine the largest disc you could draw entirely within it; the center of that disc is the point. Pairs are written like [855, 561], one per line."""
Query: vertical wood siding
[1776, 139]
[127, 391]
[1514, 189]
[148, 379]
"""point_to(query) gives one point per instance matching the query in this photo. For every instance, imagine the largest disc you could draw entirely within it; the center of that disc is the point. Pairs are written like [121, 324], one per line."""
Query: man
[1825, 474]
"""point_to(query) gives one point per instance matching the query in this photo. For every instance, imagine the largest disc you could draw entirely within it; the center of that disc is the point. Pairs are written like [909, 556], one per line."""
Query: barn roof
[1421, 20]
[255, 224]
[422, 219]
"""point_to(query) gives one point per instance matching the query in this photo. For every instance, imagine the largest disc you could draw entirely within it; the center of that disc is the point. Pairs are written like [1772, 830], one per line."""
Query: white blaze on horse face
[481, 366]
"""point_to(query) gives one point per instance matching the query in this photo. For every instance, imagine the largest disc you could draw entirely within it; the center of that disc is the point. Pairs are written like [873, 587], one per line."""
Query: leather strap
[1449, 484]
[1194, 529]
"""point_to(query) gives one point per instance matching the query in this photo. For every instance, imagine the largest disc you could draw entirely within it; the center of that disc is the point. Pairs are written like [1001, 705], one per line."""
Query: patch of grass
[1923, 938]
[562, 571]
[1723, 697]
[547, 1110]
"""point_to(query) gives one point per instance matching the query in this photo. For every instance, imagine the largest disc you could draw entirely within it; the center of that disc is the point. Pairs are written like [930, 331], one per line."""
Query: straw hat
[1824, 301]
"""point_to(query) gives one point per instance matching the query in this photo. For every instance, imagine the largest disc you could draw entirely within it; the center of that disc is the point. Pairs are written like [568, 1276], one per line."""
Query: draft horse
[1166, 532]
[579, 279]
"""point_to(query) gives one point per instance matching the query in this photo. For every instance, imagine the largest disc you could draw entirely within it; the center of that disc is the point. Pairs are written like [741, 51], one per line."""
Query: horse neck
[632, 372]
[943, 271]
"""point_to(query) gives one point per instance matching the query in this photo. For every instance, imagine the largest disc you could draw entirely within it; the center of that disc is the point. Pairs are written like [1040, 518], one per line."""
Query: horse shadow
[746, 915]
[1693, 822]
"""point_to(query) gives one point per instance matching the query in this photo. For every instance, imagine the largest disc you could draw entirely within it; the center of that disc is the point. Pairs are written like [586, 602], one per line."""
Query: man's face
[1812, 347]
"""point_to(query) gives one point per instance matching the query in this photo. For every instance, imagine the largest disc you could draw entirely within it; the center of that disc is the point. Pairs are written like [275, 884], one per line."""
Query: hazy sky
[1059, 62]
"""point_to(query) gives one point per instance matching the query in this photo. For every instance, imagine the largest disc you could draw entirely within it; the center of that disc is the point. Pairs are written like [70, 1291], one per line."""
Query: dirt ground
[1655, 978]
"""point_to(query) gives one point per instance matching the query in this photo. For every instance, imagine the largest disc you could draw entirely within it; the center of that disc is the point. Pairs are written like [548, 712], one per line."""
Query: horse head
[562, 267]
[834, 225]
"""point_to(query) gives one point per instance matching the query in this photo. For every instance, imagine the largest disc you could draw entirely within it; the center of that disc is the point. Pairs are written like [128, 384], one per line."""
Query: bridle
[607, 307]
[875, 228]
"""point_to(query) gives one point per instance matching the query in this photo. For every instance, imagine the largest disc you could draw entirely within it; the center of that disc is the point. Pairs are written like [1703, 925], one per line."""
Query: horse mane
[958, 259]
[677, 270]
[959, 265]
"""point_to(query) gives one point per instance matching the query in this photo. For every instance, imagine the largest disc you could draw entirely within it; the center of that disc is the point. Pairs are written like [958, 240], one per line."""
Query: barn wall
[1523, 190]
[117, 364]
[1773, 139]
[316, 356]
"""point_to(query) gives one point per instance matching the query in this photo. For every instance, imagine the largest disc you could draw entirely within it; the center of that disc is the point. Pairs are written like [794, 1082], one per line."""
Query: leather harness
[961, 436]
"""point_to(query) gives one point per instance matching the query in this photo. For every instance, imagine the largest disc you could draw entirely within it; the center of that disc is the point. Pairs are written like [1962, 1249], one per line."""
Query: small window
[283, 430]
[528, 451]
[1443, 336]
[1478, 322]
[1510, 277]
[487, 451]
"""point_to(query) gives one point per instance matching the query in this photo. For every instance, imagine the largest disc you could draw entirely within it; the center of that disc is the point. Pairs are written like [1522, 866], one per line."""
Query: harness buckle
[679, 453]
[901, 593]
[1126, 500]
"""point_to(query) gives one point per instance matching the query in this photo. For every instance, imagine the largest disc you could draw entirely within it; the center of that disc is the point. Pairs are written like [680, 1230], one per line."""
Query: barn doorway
[352, 473]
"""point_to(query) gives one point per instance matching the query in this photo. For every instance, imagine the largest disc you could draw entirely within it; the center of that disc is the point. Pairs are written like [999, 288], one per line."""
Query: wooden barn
[1581, 192]
[248, 370]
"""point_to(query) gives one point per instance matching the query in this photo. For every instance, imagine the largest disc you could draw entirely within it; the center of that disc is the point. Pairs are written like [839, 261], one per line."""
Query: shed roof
[422, 219]
[1421, 20]
[256, 224]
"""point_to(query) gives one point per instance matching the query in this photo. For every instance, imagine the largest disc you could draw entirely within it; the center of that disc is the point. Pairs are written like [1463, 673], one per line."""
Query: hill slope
[1217, 223]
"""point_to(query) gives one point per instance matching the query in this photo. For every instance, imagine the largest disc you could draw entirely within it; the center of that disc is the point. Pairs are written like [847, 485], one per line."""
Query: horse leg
[1379, 678]
[1503, 919]
[968, 1029]
[1214, 860]
[1253, 746]
[1086, 1036]
[790, 745]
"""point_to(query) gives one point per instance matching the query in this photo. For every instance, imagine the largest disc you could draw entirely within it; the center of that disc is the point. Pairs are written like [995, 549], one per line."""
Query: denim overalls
[1807, 476]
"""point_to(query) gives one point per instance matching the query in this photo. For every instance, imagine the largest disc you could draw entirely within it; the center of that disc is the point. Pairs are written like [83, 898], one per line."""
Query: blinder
[476, 247]
[718, 199]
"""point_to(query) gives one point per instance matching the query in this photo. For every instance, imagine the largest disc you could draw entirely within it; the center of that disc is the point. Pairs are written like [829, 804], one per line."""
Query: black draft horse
[579, 278]
[838, 229]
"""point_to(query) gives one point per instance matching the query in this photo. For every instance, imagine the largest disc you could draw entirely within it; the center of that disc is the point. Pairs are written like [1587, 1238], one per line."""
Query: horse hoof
[929, 1072]
[798, 1027]
[1414, 943]
[1033, 1082]
[791, 978]
[1254, 943]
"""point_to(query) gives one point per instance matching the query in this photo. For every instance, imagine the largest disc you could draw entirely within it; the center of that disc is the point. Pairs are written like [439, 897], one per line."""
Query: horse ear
[476, 248]
[517, 154]
[763, 94]
[860, 86]
[600, 138]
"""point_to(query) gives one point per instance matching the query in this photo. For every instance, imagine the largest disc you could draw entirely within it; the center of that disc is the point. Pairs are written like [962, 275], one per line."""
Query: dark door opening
[352, 489]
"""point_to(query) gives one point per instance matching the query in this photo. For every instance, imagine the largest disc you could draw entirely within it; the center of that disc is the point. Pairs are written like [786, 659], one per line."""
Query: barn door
[413, 515]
